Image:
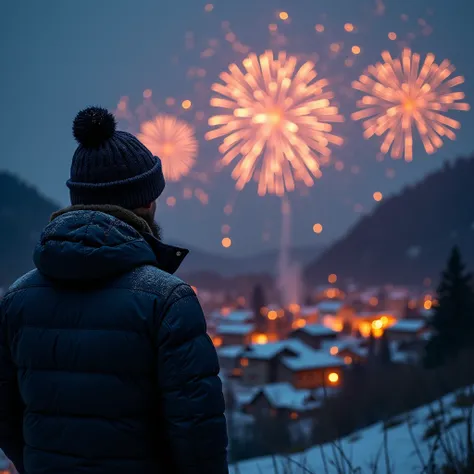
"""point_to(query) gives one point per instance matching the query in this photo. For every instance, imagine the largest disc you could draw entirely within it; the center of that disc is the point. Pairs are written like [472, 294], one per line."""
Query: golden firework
[404, 97]
[276, 118]
[173, 140]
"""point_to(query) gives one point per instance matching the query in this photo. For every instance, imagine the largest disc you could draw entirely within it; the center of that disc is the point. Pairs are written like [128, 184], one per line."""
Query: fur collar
[168, 257]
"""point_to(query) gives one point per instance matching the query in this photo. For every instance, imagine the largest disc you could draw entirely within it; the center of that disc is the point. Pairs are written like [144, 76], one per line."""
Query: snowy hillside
[406, 444]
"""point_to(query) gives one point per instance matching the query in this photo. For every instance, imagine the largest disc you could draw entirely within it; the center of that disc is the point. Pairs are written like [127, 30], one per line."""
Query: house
[311, 369]
[351, 352]
[282, 400]
[259, 362]
[237, 316]
[233, 334]
[314, 334]
[407, 330]
[309, 314]
[334, 314]
[372, 321]
[229, 357]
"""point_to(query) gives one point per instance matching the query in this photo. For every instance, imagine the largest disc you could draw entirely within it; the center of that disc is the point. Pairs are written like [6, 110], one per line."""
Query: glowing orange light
[347, 360]
[283, 16]
[209, 7]
[194, 289]
[186, 104]
[378, 332]
[275, 111]
[226, 242]
[272, 315]
[147, 93]
[299, 323]
[355, 49]
[384, 320]
[365, 329]
[335, 47]
[171, 201]
[319, 28]
[225, 229]
[377, 324]
[317, 228]
[217, 341]
[173, 140]
[294, 415]
[349, 27]
[373, 301]
[392, 36]
[334, 350]
[402, 97]
[294, 308]
[337, 326]
[260, 339]
[332, 278]
[427, 304]
[378, 196]
[244, 362]
[333, 377]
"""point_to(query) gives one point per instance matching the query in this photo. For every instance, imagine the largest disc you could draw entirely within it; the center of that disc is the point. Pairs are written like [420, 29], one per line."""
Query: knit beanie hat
[111, 167]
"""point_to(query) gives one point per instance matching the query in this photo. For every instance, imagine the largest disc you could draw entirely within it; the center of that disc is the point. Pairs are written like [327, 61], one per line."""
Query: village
[285, 360]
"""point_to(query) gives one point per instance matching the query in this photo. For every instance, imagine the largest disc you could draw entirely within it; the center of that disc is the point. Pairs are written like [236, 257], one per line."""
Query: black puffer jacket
[116, 373]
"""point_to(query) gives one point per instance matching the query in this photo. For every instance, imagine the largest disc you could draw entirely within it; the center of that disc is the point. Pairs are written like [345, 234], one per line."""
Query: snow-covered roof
[238, 316]
[230, 352]
[237, 329]
[271, 349]
[318, 330]
[312, 359]
[408, 325]
[284, 395]
[330, 306]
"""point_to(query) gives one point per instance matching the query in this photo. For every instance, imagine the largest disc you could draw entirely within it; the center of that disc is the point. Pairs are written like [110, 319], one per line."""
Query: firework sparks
[279, 113]
[404, 97]
[173, 141]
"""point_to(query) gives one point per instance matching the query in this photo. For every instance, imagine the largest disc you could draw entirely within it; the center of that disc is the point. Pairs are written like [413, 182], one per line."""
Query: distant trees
[257, 302]
[384, 355]
[453, 318]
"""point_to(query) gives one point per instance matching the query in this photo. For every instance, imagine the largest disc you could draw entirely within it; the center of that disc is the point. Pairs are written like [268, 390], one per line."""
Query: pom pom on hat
[111, 166]
[93, 126]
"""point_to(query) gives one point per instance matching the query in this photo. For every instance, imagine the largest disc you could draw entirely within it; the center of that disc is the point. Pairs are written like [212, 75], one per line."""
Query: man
[105, 364]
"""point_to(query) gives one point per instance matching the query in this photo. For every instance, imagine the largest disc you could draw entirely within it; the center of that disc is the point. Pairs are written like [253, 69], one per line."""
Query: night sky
[60, 56]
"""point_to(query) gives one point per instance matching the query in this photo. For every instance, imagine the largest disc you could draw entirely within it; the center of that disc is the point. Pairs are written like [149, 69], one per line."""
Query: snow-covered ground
[361, 450]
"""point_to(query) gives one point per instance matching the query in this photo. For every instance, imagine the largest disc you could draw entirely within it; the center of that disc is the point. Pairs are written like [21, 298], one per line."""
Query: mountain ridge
[407, 238]
[24, 212]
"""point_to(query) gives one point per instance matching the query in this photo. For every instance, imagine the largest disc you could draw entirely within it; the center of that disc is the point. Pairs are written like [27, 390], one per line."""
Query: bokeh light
[226, 242]
[378, 196]
[317, 228]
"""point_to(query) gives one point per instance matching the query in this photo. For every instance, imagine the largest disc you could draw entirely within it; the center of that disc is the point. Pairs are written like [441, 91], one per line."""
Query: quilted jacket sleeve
[11, 406]
[192, 399]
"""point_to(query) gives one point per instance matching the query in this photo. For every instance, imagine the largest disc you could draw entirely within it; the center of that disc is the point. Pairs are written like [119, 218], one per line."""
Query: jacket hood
[91, 244]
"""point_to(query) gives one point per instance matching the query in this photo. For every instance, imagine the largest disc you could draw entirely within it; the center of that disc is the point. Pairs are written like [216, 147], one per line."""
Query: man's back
[111, 357]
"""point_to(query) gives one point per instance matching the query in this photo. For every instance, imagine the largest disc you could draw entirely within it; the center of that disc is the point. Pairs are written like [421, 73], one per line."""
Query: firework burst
[276, 120]
[404, 97]
[173, 140]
